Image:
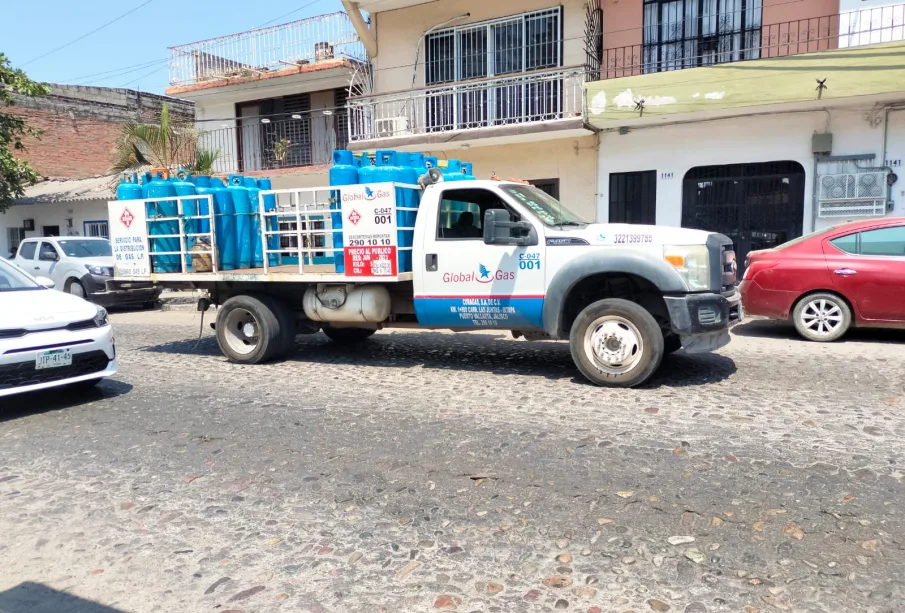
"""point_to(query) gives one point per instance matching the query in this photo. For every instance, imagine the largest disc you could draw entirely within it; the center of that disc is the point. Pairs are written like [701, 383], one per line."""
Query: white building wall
[673, 150]
[54, 214]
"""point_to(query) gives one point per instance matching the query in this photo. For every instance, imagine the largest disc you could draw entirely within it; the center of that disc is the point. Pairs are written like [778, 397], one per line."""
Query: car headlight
[100, 319]
[102, 271]
[692, 262]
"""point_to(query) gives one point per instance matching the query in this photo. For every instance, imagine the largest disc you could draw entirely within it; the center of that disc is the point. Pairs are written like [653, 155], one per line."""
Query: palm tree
[168, 144]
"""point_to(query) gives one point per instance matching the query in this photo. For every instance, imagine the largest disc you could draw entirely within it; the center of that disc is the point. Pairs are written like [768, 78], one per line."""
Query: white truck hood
[104, 261]
[40, 309]
[635, 235]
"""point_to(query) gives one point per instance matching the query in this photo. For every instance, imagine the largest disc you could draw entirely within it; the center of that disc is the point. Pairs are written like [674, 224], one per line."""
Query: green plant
[167, 144]
[281, 150]
[15, 173]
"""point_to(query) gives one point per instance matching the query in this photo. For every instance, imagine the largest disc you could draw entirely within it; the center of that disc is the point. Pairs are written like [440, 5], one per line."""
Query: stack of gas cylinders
[387, 166]
[237, 226]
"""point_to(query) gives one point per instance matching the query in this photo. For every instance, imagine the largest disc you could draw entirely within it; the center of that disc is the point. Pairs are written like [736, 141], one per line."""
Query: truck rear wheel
[348, 336]
[616, 343]
[252, 329]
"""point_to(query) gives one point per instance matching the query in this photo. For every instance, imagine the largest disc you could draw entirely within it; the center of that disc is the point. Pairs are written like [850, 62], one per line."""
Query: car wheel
[76, 289]
[348, 336]
[616, 343]
[250, 329]
[822, 317]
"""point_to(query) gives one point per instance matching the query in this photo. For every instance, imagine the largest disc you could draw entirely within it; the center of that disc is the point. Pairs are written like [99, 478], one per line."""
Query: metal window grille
[510, 46]
[96, 229]
[687, 33]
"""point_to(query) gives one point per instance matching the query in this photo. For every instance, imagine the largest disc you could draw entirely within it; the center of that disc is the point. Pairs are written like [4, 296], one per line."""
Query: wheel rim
[614, 344]
[241, 331]
[821, 317]
[76, 290]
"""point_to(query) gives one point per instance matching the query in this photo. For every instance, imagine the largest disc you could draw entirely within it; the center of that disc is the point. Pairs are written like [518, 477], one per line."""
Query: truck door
[461, 282]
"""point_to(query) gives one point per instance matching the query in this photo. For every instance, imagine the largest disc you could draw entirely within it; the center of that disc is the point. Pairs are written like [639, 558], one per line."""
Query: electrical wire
[84, 36]
[267, 23]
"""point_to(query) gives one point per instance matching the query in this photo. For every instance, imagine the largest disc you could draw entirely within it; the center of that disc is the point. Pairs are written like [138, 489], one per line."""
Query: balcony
[678, 45]
[798, 65]
[277, 143]
[265, 51]
[444, 113]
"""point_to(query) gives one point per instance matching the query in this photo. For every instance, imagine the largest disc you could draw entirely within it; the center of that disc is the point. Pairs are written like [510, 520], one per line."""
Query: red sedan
[848, 275]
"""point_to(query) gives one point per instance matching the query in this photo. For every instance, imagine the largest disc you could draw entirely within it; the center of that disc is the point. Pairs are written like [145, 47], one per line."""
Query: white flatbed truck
[622, 295]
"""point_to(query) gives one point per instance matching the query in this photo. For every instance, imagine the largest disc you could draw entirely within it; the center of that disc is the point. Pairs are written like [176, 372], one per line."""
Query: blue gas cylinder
[343, 172]
[467, 169]
[224, 224]
[128, 188]
[160, 187]
[431, 161]
[257, 247]
[203, 187]
[453, 171]
[145, 182]
[270, 205]
[408, 199]
[184, 187]
[242, 204]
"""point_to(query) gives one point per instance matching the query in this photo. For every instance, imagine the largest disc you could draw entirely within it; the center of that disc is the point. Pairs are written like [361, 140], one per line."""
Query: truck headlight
[692, 262]
[101, 271]
[100, 319]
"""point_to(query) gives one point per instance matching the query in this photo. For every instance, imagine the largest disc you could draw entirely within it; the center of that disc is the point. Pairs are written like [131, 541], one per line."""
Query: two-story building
[272, 101]
[761, 119]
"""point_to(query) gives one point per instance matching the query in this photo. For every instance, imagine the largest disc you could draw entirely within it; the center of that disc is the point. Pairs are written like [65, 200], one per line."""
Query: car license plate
[55, 358]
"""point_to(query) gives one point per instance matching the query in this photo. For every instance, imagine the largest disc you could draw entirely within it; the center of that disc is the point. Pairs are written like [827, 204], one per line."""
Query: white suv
[82, 266]
[49, 339]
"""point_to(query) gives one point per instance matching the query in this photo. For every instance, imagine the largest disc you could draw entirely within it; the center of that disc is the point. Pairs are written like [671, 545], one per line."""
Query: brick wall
[81, 125]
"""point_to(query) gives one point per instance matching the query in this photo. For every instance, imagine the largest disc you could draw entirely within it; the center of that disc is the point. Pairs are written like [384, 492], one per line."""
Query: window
[14, 236]
[27, 250]
[848, 243]
[96, 229]
[633, 197]
[548, 186]
[48, 253]
[884, 241]
[461, 215]
[75, 248]
[686, 33]
[506, 47]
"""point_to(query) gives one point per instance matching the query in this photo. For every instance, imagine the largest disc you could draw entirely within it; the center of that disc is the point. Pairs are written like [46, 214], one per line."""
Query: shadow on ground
[38, 598]
[55, 399]
[767, 328]
[496, 354]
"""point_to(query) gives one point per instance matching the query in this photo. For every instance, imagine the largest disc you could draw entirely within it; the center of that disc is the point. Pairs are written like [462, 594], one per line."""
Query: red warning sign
[370, 261]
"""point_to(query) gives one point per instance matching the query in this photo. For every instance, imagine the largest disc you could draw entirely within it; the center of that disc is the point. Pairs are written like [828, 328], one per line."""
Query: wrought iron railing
[269, 144]
[266, 49]
[836, 31]
[512, 99]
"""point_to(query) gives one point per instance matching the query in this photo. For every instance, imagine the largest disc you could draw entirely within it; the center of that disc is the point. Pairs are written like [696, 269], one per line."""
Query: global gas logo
[366, 195]
[482, 275]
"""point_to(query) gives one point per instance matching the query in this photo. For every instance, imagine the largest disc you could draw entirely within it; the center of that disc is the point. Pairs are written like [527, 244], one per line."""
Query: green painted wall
[859, 71]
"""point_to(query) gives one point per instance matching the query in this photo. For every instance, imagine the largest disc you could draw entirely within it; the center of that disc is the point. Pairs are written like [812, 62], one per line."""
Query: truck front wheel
[348, 336]
[252, 329]
[616, 343]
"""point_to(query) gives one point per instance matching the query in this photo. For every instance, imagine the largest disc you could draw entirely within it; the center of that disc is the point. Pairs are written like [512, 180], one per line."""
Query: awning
[69, 190]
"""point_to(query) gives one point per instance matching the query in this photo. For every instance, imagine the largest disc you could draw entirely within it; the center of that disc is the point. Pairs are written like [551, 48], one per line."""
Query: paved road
[427, 471]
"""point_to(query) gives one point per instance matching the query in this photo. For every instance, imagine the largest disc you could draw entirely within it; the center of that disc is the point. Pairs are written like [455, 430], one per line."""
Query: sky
[131, 52]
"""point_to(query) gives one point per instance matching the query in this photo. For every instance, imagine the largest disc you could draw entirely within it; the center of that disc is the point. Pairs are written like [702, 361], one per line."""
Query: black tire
[671, 344]
[77, 289]
[348, 336]
[628, 321]
[815, 316]
[267, 341]
[287, 319]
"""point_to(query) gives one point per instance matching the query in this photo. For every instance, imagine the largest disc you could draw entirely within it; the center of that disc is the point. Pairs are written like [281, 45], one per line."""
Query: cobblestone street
[427, 471]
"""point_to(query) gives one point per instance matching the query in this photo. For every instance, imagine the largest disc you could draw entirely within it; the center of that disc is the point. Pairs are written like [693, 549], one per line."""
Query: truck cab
[506, 255]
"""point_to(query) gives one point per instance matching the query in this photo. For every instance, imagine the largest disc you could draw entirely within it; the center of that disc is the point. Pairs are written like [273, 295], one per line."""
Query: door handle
[845, 272]
[37, 268]
[430, 262]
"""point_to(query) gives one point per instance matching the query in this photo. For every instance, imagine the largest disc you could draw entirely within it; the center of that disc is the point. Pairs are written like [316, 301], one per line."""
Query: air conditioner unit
[852, 194]
[393, 126]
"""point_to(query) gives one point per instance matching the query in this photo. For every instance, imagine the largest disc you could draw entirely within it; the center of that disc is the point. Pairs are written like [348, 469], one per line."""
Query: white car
[81, 266]
[48, 338]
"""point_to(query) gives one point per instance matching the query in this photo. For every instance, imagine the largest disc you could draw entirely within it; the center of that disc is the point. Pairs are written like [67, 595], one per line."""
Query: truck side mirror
[499, 230]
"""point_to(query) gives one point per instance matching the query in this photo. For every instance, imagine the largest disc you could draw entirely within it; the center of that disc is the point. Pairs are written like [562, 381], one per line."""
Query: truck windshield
[547, 208]
[85, 249]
